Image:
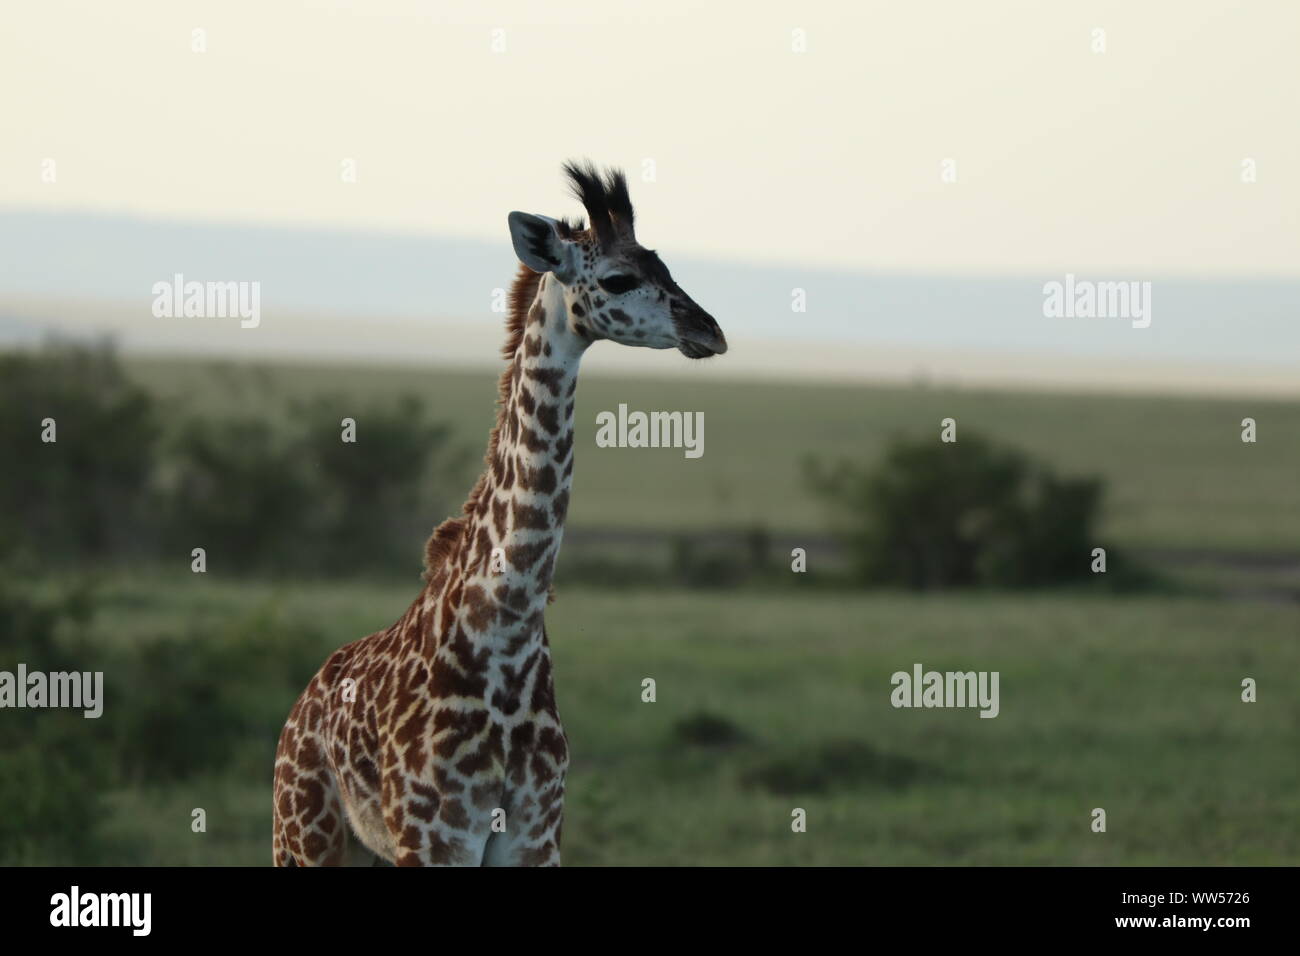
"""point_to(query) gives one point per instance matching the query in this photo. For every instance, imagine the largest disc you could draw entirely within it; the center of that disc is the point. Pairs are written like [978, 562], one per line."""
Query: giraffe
[438, 741]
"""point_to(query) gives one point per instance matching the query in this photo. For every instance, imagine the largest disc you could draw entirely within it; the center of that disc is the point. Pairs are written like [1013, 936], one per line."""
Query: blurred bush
[373, 498]
[208, 701]
[82, 496]
[968, 513]
[237, 489]
[697, 564]
[281, 492]
[53, 770]
[196, 702]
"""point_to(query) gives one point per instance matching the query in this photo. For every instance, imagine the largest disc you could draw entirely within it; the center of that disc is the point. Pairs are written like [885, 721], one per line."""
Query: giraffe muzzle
[698, 335]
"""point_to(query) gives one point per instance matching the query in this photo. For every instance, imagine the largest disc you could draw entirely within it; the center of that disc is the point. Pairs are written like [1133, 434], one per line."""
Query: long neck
[513, 536]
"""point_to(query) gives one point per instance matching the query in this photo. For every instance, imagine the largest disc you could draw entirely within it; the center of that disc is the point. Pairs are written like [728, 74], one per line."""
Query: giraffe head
[614, 288]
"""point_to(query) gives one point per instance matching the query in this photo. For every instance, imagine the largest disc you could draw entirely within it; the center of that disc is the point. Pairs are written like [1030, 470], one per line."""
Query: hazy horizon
[325, 294]
[913, 175]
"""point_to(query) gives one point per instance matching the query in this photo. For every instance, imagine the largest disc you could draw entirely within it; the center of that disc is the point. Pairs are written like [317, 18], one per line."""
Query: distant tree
[962, 514]
[377, 497]
[55, 767]
[86, 494]
[294, 497]
[236, 488]
[271, 488]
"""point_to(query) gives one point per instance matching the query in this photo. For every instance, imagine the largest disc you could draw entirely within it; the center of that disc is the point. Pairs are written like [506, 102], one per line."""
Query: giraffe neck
[513, 537]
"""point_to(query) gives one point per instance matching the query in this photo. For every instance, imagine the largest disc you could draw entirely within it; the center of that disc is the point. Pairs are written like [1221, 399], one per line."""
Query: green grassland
[769, 699]
[766, 703]
[1178, 474]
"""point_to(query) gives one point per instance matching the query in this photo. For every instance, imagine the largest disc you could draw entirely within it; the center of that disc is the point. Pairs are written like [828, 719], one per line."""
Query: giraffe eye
[618, 284]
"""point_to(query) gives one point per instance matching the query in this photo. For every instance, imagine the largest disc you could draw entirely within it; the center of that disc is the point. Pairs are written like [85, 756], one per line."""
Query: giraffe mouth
[695, 350]
[699, 337]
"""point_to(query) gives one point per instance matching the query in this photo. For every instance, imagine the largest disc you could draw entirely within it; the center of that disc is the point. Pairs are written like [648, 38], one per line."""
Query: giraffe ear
[537, 242]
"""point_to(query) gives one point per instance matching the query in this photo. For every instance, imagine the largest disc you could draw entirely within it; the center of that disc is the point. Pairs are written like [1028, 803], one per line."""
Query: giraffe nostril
[699, 335]
[711, 324]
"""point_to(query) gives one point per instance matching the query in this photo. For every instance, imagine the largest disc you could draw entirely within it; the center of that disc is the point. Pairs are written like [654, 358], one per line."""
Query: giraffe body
[437, 741]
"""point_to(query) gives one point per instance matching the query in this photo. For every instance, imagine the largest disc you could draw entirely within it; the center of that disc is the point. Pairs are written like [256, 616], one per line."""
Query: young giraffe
[430, 731]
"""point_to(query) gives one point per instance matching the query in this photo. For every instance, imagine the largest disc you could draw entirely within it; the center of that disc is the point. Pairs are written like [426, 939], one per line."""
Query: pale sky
[1066, 160]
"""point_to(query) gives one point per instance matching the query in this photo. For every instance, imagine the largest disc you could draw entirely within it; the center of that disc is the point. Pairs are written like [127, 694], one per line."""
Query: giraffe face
[614, 288]
[626, 294]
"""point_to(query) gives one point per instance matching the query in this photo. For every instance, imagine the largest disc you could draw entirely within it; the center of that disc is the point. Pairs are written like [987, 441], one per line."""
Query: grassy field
[768, 699]
[1178, 473]
[771, 702]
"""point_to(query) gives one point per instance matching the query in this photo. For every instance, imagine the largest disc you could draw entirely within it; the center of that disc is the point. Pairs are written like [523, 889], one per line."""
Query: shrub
[198, 702]
[374, 500]
[297, 498]
[274, 491]
[960, 514]
[237, 490]
[85, 495]
[55, 772]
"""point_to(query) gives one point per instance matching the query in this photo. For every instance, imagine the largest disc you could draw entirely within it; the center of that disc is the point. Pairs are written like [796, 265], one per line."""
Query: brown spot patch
[311, 800]
[524, 556]
[485, 795]
[481, 611]
[449, 681]
[526, 401]
[552, 378]
[548, 416]
[488, 753]
[537, 856]
[533, 441]
[452, 728]
[453, 814]
[314, 846]
[541, 480]
[422, 810]
[530, 517]
[563, 445]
